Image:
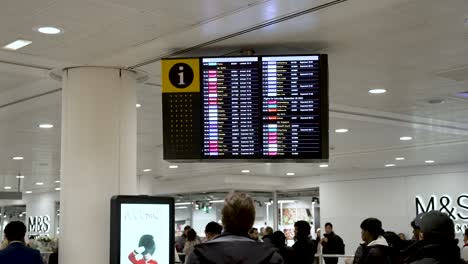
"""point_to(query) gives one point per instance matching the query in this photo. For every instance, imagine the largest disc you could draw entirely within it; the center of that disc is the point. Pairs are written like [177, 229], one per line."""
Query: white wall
[346, 203]
[42, 204]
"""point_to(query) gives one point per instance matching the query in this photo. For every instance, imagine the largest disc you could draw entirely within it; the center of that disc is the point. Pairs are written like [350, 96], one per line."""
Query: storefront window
[11, 213]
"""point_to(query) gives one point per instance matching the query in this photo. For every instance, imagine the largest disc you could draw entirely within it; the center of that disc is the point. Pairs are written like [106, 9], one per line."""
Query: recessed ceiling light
[46, 126]
[323, 166]
[245, 171]
[58, 189]
[147, 170]
[429, 161]
[377, 91]
[341, 130]
[389, 165]
[7, 187]
[173, 166]
[18, 158]
[17, 44]
[19, 176]
[39, 183]
[49, 30]
[290, 174]
[400, 158]
[406, 138]
[28, 192]
[57, 181]
[138, 105]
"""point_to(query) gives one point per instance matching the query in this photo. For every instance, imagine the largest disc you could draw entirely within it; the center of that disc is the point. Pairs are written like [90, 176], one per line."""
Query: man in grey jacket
[234, 245]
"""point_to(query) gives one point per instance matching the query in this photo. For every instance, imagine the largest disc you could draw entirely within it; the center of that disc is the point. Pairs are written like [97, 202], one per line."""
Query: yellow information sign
[181, 75]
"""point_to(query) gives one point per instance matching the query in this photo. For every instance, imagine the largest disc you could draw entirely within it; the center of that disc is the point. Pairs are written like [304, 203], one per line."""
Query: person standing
[212, 230]
[234, 245]
[305, 247]
[180, 241]
[253, 234]
[16, 252]
[192, 241]
[441, 247]
[375, 249]
[331, 244]
[278, 240]
[267, 235]
[465, 247]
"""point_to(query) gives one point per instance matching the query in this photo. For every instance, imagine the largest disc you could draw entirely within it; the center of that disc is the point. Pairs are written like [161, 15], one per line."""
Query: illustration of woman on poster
[143, 254]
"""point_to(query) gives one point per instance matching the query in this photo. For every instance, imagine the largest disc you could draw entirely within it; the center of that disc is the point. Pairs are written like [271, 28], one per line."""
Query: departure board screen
[290, 106]
[251, 108]
[231, 107]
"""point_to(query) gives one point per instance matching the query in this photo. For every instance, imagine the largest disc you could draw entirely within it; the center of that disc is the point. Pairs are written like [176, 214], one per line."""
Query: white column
[145, 185]
[98, 157]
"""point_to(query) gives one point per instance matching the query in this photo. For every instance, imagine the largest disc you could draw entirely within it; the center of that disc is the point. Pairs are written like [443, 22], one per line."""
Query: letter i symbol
[181, 75]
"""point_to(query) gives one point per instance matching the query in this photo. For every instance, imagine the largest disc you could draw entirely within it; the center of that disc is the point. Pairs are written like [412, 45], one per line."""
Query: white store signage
[39, 224]
[455, 207]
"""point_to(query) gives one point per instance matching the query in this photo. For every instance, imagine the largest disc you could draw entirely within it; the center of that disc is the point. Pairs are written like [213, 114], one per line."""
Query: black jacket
[334, 245]
[446, 253]
[232, 249]
[305, 251]
[288, 254]
[375, 254]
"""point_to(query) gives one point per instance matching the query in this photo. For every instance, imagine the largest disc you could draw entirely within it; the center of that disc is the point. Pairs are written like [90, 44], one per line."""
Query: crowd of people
[236, 241]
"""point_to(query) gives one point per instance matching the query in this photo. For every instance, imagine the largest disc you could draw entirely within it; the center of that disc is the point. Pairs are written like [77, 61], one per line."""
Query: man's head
[186, 229]
[15, 231]
[416, 225]
[371, 229]
[268, 231]
[147, 241]
[253, 233]
[328, 228]
[238, 213]
[437, 227]
[302, 230]
[465, 237]
[213, 230]
[278, 239]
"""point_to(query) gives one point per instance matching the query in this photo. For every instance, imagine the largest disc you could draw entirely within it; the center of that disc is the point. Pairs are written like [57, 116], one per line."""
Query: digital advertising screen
[142, 230]
[250, 108]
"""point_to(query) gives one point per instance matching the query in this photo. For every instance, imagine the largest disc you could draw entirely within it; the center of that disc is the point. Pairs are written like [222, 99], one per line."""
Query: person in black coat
[331, 244]
[304, 247]
[278, 239]
[17, 252]
[440, 245]
[375, 249]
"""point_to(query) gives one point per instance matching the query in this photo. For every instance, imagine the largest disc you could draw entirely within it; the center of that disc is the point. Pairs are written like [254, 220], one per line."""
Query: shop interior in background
[198, 209]
[9, 214]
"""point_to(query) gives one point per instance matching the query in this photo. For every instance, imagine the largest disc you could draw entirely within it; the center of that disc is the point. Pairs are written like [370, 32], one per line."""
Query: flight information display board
[264, 108]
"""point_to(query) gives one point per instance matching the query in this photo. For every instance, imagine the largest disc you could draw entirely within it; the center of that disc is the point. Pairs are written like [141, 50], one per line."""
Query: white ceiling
[410, 48]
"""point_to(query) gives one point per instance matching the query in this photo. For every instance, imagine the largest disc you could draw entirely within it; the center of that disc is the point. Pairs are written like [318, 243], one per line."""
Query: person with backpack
[375, 249]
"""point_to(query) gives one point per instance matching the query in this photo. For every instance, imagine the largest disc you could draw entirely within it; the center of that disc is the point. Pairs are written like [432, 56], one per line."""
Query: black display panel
[254, 108]
[291, 107]
[231, 107]
[142, 230]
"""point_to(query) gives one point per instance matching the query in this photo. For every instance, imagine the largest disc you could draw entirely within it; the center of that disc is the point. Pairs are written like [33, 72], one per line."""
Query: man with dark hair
[213, 230]
[253, 234]
[278, 240]
[411, 247]
[16, 252]
[331, 244]
[305, 247]
[234, 245]
[441, 247]
[375, 249]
